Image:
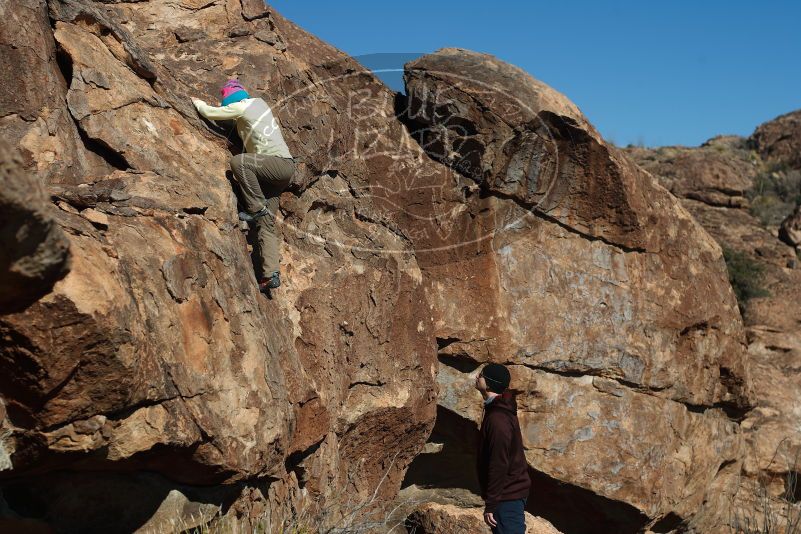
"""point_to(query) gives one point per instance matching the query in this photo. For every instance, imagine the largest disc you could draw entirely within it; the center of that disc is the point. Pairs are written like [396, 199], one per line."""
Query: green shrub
[745, 276]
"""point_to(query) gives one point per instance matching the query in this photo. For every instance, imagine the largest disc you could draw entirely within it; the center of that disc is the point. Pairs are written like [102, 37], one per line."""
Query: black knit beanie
[497, 377]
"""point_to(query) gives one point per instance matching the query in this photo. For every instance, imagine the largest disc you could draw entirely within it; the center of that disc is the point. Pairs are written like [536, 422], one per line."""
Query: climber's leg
[274, 175]
[244, 167]
[265, 250]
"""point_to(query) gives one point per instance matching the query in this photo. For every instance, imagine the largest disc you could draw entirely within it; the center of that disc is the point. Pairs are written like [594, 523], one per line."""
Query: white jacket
[255, 123]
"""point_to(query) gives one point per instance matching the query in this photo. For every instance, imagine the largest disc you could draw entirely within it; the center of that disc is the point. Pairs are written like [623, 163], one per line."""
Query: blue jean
[510, 517]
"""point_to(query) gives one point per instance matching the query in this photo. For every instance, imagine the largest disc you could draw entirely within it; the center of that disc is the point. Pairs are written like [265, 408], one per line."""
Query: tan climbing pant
[261, 179]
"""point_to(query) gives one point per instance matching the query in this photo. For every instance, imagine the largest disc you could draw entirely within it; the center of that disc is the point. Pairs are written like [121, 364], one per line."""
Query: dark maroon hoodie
[502, 467]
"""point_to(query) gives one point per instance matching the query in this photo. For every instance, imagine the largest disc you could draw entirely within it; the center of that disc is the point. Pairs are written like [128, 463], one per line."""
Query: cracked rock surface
[34, 253]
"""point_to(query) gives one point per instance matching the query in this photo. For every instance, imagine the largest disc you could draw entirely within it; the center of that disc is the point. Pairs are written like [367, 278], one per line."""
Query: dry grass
[772, 515]
[366, 516]
[775, 193]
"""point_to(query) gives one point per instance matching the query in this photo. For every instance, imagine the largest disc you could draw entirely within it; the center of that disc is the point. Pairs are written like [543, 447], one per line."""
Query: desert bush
[364, 516]
[355, 521]
[770, 210]
[776, 191]
[745, 276]
[772, 516]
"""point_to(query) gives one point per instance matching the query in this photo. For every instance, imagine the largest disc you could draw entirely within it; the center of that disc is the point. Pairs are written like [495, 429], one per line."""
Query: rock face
[481, 218]
[156, 352]
[771, 428]
[34, 253]
[779, 140]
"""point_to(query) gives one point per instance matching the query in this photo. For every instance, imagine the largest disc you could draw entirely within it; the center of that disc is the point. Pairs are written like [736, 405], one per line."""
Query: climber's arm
[231, 111]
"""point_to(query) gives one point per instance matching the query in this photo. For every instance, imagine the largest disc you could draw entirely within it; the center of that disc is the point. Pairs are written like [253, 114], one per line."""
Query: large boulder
[156, 353]
[609, 303]
[432, 518]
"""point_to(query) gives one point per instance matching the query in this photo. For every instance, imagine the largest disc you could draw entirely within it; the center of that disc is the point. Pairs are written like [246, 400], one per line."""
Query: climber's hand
[196, 101]
[489, 518]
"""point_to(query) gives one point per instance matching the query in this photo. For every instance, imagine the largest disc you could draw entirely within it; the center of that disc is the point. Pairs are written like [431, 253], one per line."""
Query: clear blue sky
[659, 73]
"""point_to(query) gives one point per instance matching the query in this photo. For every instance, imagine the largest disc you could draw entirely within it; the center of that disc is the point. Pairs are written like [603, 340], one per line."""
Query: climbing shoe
[271, 282]
[245, 216]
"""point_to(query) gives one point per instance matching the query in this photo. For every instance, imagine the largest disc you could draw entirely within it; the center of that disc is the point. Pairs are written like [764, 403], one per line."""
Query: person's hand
[489, 519]
[196, 101]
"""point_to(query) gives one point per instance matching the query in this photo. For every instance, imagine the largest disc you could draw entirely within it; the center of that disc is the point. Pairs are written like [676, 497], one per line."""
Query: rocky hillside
[477, 218]
[745, 192]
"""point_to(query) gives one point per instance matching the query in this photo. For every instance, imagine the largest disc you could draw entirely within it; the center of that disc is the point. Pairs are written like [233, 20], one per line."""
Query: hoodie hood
[505, 401]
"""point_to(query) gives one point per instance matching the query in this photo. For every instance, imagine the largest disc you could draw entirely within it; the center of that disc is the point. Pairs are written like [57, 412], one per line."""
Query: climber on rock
[502, 467]
[262, 172]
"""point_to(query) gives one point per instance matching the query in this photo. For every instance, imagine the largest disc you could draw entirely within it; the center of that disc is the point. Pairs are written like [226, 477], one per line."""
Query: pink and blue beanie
[232, 92]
